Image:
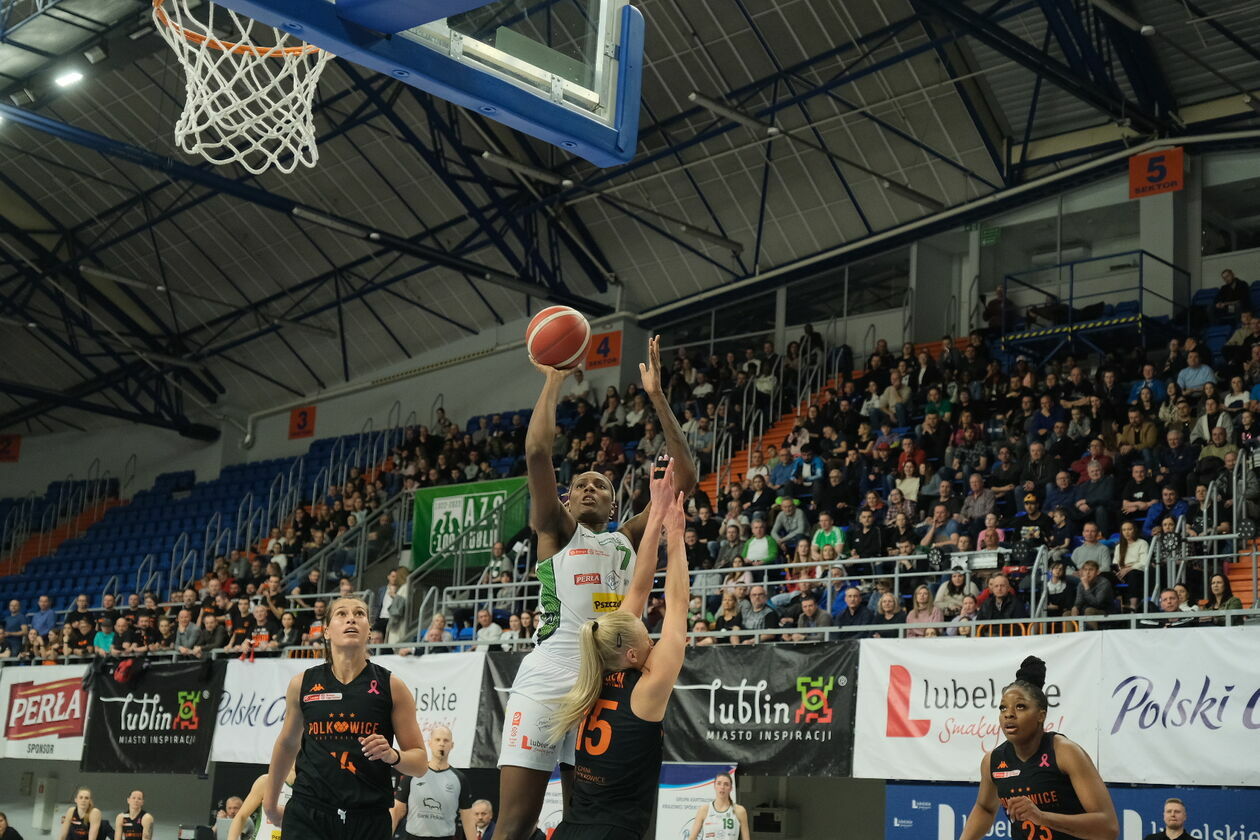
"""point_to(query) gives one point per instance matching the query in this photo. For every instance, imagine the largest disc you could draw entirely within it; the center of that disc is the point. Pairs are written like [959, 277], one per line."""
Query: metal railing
[354, 547]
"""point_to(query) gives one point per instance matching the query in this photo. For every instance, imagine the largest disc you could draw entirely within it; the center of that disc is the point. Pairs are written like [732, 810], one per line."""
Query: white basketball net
[246, 102]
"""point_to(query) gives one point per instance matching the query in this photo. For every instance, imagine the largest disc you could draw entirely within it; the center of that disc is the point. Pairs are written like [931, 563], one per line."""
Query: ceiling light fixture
[736, 116]
[18, 322]
[315, 328]
[22, 96]
[1122, 17]
[525, 169]
[95, 54]
[102, 274]
[329, 222]
[68, 78]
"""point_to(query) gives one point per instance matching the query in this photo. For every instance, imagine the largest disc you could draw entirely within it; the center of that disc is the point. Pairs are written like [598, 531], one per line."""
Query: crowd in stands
[917, 463]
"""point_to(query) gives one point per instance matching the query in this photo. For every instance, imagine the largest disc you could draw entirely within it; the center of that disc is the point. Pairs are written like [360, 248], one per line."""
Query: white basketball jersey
[720, 825]
[267, 831]
[584, 580]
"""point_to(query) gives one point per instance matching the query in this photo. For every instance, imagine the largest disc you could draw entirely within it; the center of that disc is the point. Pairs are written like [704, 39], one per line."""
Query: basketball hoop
[246, 102]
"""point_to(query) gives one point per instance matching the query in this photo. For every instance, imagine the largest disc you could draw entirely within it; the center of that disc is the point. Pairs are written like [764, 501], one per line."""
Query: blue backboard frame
[495, 96]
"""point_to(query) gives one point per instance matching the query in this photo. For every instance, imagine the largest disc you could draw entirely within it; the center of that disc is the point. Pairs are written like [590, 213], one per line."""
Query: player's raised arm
[547, 516]
[660, 672]
[662, 487]
[675, 441]
[251, 804]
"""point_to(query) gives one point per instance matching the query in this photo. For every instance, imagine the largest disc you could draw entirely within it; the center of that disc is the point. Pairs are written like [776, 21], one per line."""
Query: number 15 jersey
[582, 581]
[617, 765]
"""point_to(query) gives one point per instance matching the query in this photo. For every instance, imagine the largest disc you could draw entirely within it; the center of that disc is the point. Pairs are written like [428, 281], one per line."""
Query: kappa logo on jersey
[328, 695]
[317, 687]
[605, 602]
[585, 578]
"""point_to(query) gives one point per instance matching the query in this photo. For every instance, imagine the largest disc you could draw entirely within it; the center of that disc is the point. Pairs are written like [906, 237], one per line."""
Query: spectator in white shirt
[487, 631]
[578, 389]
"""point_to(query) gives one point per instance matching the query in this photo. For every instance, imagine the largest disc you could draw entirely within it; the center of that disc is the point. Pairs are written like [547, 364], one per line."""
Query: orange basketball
[558, 336]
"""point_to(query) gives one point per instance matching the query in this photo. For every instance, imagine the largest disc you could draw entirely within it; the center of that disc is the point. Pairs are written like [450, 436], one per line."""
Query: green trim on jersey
[549, 599]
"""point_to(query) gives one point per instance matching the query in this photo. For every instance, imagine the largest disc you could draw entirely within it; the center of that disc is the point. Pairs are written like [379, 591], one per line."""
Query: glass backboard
[565, 71]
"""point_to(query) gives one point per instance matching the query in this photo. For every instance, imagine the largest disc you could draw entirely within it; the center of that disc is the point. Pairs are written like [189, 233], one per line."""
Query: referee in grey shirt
[434, 803]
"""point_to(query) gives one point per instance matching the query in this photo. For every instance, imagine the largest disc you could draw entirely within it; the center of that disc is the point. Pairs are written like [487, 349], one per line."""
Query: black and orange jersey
[1040, 779]
[264, 633]
[331, 769]
[133, 828]
[618, 764]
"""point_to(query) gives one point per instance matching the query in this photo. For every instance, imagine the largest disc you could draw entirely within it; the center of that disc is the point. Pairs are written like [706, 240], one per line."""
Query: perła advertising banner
[927, 709]
[161, 721]
[44, 711]
[775, 710]
[445, 514]
[446, 687]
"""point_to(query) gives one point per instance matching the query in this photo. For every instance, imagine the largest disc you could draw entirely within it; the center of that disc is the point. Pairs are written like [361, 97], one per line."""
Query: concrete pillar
[934, 280]
[1162, 220]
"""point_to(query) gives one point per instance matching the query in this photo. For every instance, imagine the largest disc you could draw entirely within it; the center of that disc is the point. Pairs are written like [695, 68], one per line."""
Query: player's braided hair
[1031, 679]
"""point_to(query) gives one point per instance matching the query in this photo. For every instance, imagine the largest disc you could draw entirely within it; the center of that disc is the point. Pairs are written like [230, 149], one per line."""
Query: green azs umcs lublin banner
[444, 514]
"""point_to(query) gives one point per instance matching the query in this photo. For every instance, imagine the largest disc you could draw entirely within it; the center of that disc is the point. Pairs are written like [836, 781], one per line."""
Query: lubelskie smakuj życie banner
[161, 720]
[444, 515]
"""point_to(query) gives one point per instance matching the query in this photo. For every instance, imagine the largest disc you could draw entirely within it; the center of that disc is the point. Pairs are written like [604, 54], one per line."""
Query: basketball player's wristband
[393, 763]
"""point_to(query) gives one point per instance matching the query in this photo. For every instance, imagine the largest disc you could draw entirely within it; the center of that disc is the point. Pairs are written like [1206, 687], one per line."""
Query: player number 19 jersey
[720, 825]
[587, 578]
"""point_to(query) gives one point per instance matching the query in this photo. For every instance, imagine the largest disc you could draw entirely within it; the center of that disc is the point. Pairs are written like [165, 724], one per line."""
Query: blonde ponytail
[601, 648]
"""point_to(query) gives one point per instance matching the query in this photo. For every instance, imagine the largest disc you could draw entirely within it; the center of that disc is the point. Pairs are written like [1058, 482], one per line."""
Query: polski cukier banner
[1180, 705]
[160, 721]
[927, 709]
[44, 711]
[445, 686]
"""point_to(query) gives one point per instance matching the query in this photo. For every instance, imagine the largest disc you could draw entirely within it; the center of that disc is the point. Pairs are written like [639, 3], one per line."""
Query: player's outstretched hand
[376, 748]
[651, 372]
[662, 488]
[676, 514]
[549, 371]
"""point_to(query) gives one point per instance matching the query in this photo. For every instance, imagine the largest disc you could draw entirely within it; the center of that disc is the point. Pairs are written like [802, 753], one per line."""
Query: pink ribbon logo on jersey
[1045, 760]
[373, 689]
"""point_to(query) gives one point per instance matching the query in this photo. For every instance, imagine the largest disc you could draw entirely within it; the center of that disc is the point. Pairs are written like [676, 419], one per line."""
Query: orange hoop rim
[229, 46]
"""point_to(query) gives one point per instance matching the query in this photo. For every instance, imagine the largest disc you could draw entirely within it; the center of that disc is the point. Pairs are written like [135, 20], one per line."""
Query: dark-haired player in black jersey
[135, 823]
[623, 686]
[341, 719]
[1047, 784]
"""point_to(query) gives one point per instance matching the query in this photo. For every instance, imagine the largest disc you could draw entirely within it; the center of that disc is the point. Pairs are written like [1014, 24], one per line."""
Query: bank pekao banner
[927, 709]
[1178, 706]
[445, 685]
[684, 788]
[444, 514]
[160, 721]
[775, 710]
[938, 812]
[44, 711]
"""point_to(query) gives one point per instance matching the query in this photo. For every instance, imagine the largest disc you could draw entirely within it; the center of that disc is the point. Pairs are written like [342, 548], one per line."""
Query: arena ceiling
[140, 285]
